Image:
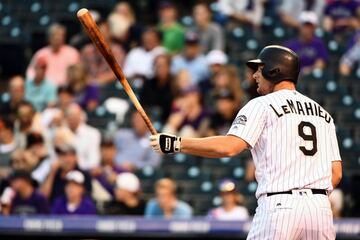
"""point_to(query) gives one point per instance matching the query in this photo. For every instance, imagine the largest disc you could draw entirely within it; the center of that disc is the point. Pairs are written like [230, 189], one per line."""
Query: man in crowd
[86, 138]
[17, 92]
[66, 162]
[139, 61]
[210, 33]
[75, 201]
[132, 146]
[172, 31]
[192, 59]
[104, 176]
[57, 54]
[128, 200]
[40, 92]
[26, 200]
[166, 205]
[311, 50]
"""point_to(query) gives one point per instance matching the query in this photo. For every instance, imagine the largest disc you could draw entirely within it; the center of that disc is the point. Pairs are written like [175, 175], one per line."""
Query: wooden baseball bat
[97, 38]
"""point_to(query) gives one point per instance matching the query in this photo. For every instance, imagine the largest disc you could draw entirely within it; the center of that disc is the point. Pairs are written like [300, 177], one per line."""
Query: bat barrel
[99, 41]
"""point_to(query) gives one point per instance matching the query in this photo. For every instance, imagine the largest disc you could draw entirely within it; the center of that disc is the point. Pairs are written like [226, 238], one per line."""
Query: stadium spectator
[66, 97]
[133, 151]
[166, 205]
[350, 59]
[232, 204]
[86, 138]
[65, 162]
[140, 60]
[57, 54]
[247, 12]
[342, 16]
[210, 33]
[311, 49]
[181, 83]
[40, 92]
[17, 94]
[216, 60]
[156, 93]
[353, 39]
[290, 11]
[94, 63]
[188, 117]
[26, 200]
[86, 94]
[27, 121]
[7, 146]
[75, 201]
[104, 176]
[226, 79]
[172, 31]
[23, 160]
[123, 26]
[36, 145]
[225, 112]
[191, 59]
[128, 199]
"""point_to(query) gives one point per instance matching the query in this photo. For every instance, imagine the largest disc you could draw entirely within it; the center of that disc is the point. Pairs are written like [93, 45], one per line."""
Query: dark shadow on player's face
[264, 85]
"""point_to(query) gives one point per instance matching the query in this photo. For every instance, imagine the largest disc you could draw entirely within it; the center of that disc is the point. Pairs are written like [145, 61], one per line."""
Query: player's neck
[284, 85]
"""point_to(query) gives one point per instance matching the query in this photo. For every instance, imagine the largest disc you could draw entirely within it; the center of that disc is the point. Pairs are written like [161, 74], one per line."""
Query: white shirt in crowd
[87, 144]
[140, 62]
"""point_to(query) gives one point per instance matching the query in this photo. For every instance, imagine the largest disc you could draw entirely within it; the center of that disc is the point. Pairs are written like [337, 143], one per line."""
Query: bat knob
[82, 12]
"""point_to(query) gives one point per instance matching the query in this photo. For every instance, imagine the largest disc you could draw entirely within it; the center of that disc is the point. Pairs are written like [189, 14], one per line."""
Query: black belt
[314, 191]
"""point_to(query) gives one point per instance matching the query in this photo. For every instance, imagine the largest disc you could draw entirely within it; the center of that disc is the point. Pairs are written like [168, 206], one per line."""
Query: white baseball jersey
[293, 143]
[292, 139]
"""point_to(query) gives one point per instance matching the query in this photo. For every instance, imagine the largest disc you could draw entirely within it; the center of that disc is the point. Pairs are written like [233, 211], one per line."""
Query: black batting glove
[165, 143]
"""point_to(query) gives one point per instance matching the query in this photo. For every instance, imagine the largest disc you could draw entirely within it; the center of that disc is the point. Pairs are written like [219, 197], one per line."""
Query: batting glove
[165, 143]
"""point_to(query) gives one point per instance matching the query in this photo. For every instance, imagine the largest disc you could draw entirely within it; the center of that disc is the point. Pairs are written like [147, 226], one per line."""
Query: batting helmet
[280, 63]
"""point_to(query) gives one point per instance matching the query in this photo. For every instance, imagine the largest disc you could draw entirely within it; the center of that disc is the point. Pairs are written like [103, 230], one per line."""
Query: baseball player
[293, 143]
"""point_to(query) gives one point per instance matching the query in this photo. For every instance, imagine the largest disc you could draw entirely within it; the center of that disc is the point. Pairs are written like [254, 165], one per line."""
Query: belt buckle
[302, 192]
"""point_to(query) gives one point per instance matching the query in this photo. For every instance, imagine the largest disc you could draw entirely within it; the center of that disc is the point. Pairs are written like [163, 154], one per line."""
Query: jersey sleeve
[249, 122]
[334, 146]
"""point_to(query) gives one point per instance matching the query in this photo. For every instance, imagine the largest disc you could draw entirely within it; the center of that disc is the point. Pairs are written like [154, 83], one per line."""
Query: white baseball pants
[301, 215]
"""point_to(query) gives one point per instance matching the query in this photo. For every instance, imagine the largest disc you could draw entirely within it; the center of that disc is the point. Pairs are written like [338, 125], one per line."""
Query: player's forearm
[211, 147]
[336, 173]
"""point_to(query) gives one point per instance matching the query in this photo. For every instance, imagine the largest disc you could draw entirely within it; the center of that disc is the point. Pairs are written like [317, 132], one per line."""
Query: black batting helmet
[280, 63]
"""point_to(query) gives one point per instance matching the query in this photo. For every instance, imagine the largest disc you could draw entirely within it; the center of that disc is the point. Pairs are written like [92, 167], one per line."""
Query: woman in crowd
[86, 95]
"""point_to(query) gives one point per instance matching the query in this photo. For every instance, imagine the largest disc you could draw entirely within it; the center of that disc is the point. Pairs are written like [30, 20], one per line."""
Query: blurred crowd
[52, 161]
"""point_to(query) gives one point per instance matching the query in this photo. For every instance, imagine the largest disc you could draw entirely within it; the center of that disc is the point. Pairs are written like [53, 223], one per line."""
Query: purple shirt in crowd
[86, 207]
[90, 92]
[341, 10]
[309, 52]
[35, 204]
[105, 183]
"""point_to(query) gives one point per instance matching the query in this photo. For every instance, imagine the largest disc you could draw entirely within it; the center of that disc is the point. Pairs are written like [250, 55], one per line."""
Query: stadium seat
[149, 173]
[200, 203]
[180, 159]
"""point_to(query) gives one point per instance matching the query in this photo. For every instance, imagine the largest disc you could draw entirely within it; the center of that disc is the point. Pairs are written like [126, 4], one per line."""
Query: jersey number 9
[308, 137]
